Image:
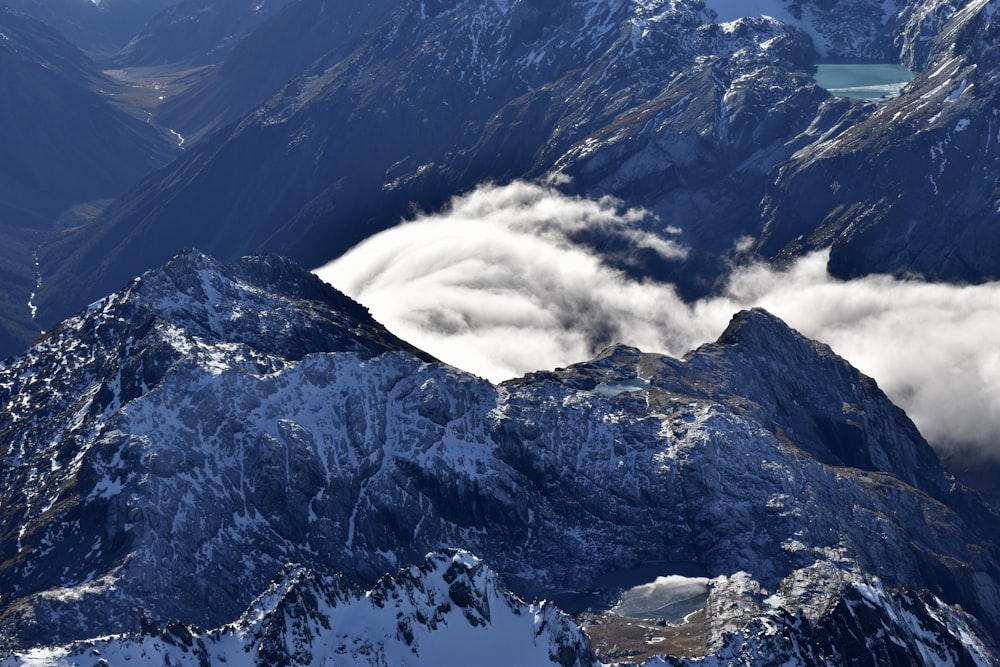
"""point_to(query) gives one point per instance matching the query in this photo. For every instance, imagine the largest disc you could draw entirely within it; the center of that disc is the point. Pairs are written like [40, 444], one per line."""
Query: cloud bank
[496, 285]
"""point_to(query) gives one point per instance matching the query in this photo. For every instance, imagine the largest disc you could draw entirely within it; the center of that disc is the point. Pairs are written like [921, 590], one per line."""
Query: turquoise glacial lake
[864, 81]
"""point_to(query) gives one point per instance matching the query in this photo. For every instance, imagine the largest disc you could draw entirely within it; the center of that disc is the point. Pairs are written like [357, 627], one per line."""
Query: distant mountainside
[267, 59]
[172, 449]
[65, 139]
[147, 33]
[195, 32]
[100, 28]
[493, 91]
[716, 127]
[65, 142]
[912, 187]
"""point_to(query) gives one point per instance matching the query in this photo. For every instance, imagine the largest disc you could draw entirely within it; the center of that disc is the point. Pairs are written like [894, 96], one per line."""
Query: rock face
[175, 446]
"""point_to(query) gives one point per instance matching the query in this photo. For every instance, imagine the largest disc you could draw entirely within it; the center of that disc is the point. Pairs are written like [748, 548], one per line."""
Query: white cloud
[496, 285]
[931, 346]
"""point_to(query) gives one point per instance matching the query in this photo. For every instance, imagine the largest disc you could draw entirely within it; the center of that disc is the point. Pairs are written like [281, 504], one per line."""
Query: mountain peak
[845, 420]
[759, 329]
[264, 301]
[616, 354]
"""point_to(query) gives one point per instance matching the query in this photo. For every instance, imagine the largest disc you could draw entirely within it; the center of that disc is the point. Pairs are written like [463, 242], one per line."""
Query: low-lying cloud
[496, 285]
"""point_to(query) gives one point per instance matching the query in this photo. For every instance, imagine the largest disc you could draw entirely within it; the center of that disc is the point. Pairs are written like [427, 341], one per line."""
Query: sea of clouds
[496, 284]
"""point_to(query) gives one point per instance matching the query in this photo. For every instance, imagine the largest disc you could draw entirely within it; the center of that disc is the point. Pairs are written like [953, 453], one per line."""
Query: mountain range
[213, 457]
[196, 439]
[307, 146]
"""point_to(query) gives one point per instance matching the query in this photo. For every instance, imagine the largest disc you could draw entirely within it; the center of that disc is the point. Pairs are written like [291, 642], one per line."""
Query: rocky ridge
[451, 609]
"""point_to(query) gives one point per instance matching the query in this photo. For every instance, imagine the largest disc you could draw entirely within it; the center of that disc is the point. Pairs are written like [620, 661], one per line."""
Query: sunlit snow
[731, 10]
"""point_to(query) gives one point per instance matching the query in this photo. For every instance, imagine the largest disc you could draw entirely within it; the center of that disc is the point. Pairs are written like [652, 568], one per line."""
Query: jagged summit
[763, 359]
[450, 609]
[264, 301]
[755, 325]
[756, 333]
[764, 368]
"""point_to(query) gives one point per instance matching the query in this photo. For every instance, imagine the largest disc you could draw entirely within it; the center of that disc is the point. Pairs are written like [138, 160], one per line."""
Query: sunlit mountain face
[512, 332]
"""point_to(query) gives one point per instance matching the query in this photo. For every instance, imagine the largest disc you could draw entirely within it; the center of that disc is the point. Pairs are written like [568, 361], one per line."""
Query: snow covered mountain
[170, 452]
[451, 610]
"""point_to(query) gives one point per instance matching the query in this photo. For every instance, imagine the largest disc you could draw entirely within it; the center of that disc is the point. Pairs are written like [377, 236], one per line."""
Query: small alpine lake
[869, 81]
[654, 589]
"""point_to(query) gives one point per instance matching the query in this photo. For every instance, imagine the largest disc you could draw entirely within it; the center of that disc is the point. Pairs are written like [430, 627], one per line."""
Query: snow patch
[955, 94]
[466, 559]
